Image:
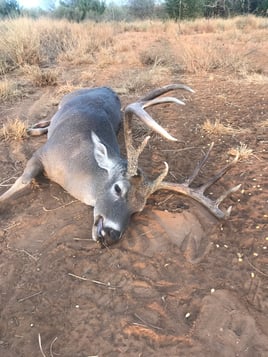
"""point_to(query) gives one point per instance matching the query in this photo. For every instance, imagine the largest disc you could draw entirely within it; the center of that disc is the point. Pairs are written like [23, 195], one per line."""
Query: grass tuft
[217, 128]
[14, 129]
[8, 91]
[243, 151]
[41, 77]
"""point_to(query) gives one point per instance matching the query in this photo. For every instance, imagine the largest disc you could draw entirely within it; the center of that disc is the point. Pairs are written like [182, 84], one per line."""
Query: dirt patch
[180, 283]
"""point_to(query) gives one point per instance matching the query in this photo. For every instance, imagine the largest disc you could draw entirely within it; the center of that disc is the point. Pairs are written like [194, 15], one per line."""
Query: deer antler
[184, 188]
[198, 193]
[137, 109]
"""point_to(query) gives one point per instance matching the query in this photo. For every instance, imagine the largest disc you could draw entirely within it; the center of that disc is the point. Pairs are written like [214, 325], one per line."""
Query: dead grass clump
[55, 38]
[87, 39]
[137, 81]
[246, 23]
[19, 44]
[25, 41]
[66, 89]
[264, 124]
[242, 151]
[206, 55]
[41, 77]
[134, 26]
[217, 128]
[217, 25]
[8, 91]
[14, 129]
[158, 53]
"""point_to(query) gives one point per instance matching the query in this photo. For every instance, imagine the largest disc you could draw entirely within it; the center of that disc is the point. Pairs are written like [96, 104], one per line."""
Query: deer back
[67, 156]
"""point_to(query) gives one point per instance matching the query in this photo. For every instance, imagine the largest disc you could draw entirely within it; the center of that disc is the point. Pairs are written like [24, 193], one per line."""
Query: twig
[165, 200]
[2, 184]
[138, 324]
[104, 284]
[82, 239]
[40, 345]
[183, 149]
[144, 234]
[51, 346]
[93, 281]
[54, 209]
[147, 324]
[253, 267]
[30, 296]
[29, 254]
[78, 277]
[12, 226]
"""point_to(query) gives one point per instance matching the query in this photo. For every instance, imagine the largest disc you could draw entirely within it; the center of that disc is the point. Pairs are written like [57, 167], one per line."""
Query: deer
[82, 155]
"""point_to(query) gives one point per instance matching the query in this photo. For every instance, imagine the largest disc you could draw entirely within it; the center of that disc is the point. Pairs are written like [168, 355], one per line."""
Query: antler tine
[132, 152]
[156, 101]
[198, 193]
[153, 185]
[138, 109]
[199, 166]
[221, 173]
[160, 91]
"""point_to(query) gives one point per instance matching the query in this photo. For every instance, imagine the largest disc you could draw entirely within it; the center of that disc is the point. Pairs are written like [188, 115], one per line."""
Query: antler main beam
[138, 109]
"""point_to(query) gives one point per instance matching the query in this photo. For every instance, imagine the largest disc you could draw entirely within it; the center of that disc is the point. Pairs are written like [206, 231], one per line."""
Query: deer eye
[117, 189]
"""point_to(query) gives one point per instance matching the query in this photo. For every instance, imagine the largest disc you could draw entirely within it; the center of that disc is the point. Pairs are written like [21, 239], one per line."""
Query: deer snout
[109, 236]
[104, 233]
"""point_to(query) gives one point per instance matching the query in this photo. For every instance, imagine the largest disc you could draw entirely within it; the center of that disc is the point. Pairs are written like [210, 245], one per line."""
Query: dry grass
[19, 44]
[26, 41]
[67, 88]
[14, 129]
[8, 90]
[264, 124]
[243, 151]
[138, 81]
[218, 129]
[219, 25]
[86, 40]
[206, 54]
[41, 77]
[215, 44]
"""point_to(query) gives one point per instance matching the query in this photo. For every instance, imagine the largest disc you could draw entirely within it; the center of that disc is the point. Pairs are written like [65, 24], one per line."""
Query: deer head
[129, 188]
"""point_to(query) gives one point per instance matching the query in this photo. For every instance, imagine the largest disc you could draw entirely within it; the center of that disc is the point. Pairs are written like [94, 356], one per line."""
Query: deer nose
[109, 236]
[114, 235]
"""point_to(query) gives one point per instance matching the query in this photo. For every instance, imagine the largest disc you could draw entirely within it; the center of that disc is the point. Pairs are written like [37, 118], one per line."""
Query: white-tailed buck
[82, 155]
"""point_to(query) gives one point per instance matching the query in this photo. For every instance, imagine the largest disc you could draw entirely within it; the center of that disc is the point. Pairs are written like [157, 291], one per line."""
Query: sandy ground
[180, 283]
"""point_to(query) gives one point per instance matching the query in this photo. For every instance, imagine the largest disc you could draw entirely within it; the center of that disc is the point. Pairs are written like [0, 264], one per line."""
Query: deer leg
[33, 168]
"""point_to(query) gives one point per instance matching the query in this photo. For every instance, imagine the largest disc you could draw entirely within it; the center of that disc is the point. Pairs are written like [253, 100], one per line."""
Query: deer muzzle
[103, 234]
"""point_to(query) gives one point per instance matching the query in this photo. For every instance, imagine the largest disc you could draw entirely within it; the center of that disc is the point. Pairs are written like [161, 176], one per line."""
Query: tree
[9, 8]
[79, 10]
[261, 7]
[217, 8]
[181, 9]
[141, 8]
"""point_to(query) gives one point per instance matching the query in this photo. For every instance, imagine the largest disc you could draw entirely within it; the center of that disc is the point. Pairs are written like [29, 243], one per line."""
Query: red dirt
[180, 283]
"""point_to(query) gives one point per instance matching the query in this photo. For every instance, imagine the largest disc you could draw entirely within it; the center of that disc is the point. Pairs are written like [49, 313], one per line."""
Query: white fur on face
[113, 225]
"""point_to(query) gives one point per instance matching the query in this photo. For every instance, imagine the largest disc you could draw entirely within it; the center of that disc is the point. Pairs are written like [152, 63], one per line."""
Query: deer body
[83, 156]
[67, 157]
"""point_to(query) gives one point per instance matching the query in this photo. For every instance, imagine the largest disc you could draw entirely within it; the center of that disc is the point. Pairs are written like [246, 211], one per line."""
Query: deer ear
[100, 153]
